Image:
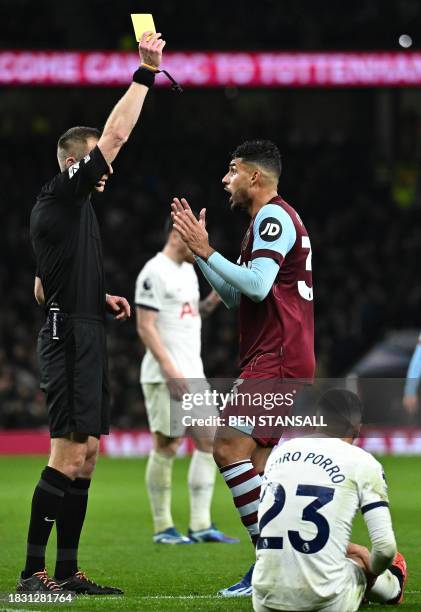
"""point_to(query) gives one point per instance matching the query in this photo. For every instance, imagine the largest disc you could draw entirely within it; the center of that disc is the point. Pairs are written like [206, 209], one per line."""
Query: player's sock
[201, 479]
[158, 483]
[46, 501]
[69, 526]
[245, 484]
[386, 588]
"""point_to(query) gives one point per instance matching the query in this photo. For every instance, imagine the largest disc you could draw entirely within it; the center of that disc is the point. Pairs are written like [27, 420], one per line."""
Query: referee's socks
[46, 502]
[69, 526]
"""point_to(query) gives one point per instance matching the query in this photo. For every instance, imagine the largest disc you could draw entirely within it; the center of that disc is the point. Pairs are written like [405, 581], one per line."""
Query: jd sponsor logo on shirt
[270, 229]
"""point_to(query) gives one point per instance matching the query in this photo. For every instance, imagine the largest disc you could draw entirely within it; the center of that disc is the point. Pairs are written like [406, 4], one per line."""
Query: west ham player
[169, 324]
[272, 287]
[313, 487]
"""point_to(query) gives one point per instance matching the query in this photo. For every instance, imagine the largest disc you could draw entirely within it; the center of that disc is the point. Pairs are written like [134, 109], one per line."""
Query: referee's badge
[73, 169]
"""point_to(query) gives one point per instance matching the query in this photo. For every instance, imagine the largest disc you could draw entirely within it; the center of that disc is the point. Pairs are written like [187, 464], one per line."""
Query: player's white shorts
[348, 601]
[172, 418]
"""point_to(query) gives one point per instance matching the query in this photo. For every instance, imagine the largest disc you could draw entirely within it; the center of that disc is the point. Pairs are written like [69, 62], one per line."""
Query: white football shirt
[172, 290]
[312, 489]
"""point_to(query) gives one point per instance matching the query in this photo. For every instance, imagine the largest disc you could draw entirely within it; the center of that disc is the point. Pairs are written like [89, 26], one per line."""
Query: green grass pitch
[116, 545]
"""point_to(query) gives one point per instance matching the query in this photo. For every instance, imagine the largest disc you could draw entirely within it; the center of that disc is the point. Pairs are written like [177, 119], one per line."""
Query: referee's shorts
[74, 377]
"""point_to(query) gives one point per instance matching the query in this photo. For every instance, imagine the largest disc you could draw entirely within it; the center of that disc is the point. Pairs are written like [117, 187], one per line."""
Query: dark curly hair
[343, 411]
[262, 152]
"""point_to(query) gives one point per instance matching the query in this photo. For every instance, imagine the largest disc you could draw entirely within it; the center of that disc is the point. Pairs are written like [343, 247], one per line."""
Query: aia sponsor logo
[187, 310]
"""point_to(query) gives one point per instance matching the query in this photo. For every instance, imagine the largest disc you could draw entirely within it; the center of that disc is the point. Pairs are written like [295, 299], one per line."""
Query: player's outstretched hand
[191, 230]
[150, 49]
[118, 306]
[202, 217]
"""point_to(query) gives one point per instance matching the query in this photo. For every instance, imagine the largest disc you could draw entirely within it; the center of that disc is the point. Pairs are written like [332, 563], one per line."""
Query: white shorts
[168, 416]
[348, 601]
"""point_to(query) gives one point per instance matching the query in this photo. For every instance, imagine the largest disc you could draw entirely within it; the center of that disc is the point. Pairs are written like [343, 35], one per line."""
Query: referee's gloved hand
[118, 306]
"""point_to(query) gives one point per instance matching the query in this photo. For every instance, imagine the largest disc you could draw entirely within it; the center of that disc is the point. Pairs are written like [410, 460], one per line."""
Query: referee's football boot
[242, 588]
[170, 536]
[80, 584]
[40, 582]
[212, 534]
[399, 569]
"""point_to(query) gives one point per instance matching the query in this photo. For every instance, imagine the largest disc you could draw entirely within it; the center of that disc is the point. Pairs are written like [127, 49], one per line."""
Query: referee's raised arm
[71, 347]
[125, 114]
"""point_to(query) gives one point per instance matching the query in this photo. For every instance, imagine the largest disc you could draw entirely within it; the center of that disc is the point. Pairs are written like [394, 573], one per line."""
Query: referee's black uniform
[67, 244]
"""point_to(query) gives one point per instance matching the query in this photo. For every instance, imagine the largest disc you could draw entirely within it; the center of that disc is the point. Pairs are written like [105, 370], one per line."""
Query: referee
[71, 345]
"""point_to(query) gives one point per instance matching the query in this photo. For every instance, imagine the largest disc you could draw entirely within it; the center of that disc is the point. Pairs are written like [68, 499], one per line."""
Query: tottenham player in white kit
[313, 487]
[169, 311]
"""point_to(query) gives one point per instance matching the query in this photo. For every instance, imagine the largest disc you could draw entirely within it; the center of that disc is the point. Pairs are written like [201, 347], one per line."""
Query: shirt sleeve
[254, 282]
[274, 233]
[374, 504]
[382, 537]
[149, 291]
[372, 486]
[228, 294]
[80, 179]
[414, 371]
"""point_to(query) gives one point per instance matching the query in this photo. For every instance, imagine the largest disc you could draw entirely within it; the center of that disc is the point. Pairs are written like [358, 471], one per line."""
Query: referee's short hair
[73, 142]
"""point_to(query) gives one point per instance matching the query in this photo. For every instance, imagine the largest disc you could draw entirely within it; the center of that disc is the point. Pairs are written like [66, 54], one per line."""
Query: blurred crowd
[267, 24]
[363, 225]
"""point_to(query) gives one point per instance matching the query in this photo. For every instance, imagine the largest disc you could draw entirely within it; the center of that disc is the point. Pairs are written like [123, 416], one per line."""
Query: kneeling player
[312, 489]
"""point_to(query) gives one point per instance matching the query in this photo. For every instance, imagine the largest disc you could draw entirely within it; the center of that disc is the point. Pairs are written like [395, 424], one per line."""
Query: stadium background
[350, 167]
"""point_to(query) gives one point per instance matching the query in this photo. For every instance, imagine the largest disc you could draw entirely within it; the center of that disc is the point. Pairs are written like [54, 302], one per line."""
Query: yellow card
[142, 22]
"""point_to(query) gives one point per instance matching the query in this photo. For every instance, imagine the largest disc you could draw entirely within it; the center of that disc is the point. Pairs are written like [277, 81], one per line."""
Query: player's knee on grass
[165, 445]
[360, 555]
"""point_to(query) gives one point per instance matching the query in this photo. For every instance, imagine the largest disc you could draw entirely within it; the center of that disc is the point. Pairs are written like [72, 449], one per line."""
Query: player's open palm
[202, 218]
[192, 230]
[150, 49]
